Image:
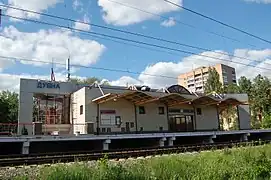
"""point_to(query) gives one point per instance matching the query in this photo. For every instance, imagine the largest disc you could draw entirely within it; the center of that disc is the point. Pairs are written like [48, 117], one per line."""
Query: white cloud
[46, 45]
[83, 26]
[77, 5]
[169, 22]
[259, 1]
[172, 69]
[34, 5]
[117, 14]
[124, 80]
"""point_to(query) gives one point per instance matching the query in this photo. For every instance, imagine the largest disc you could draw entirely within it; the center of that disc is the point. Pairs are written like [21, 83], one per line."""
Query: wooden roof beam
[179, 103]
[100, 98]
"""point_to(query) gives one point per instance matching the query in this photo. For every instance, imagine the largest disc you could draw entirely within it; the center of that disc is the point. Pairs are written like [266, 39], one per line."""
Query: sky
[40, 43]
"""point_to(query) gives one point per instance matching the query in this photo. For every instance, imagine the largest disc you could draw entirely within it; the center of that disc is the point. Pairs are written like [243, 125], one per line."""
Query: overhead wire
[135, 41]
[81, 66]
[180, 22]
[129, 32]
[219, 22]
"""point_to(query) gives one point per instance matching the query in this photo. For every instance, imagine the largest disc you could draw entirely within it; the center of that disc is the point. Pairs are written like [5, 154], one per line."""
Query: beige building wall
[78, 100]
[92, 108]
[152, 120]
[208, 119]
[125, 110]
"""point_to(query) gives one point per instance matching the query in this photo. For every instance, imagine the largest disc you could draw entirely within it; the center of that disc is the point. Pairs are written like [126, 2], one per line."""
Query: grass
[244, 164]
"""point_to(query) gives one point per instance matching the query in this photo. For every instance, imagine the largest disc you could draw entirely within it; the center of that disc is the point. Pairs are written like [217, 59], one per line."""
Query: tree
[4, 111]
[90, 80]
[229, 115]
[9, 102]
[213, 83]
[260, 98]
[245, 85]
[266, 122]
[231, 89]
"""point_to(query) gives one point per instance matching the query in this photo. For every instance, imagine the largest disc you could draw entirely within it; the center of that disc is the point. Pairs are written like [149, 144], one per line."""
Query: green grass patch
[243, 164]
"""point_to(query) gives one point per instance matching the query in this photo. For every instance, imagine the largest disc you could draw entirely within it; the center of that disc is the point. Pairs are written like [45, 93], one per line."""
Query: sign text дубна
[49, 85]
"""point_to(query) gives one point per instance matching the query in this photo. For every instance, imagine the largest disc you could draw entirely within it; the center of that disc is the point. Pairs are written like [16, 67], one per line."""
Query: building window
[118, 120]
[161, 110]
[103, 130]
[108, 117]
[199, 111]
[141, 110]
[132, 124]
[122, 129]
[81, 109]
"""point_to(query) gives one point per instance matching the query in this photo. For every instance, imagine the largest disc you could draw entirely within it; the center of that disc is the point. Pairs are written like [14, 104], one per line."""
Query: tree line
[259, 93]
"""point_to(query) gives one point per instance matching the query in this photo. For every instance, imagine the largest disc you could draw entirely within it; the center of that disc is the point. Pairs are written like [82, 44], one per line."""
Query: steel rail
[121, 154]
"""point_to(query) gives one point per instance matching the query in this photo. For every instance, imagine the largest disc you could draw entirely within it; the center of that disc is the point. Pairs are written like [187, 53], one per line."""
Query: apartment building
[194, 80]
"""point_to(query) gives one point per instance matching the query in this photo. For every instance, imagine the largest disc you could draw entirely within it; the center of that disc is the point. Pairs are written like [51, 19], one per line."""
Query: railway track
[17, 160]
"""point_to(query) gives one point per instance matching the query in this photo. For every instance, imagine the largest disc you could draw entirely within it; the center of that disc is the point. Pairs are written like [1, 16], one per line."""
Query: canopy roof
[170, 99]
[132, 96]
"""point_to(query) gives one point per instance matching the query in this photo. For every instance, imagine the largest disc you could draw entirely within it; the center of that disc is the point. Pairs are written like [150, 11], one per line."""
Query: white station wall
[28, 87]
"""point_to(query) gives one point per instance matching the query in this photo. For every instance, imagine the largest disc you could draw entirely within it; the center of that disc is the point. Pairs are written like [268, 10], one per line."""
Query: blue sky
[252, 16]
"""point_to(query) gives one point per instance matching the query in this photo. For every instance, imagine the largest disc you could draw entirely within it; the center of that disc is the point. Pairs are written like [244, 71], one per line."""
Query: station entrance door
[181, 123]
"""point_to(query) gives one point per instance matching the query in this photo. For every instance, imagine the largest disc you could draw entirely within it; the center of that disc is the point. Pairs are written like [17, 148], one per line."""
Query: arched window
[178, 89]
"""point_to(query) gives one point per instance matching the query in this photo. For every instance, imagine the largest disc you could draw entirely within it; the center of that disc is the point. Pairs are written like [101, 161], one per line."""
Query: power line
[81, 66]
[89, 67]
[134, 41]
[219, 22]
[182, 23]
[130, 44]
[129, 32]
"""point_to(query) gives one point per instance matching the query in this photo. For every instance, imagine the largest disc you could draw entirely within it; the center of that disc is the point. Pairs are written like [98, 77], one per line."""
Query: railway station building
[69, 108]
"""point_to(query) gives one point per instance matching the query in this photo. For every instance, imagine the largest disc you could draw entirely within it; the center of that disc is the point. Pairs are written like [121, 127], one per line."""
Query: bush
[240, 164]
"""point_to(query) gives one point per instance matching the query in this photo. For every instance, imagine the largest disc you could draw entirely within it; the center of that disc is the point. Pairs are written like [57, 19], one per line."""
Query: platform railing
[39, 128]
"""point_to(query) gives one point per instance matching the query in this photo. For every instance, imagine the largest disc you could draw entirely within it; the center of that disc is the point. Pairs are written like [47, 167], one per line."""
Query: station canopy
[178, 95]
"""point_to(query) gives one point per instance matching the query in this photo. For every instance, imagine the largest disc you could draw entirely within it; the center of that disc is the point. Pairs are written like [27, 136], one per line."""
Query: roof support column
[106, 144]
[210, 139]
[171, 141]
[97, 120]
[25, 147]
[162, 142]
[136, 124]
[218, 119]
[244, 137]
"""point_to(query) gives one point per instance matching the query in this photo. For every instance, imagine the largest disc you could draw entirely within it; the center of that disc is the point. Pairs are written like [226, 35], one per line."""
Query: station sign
[48, 85]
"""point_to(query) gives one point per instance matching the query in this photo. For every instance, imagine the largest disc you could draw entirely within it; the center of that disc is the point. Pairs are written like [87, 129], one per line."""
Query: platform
[43, 144]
